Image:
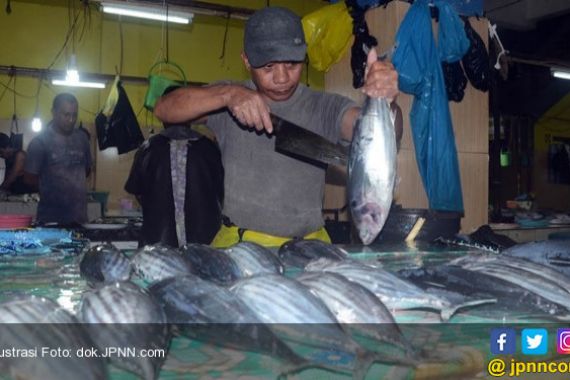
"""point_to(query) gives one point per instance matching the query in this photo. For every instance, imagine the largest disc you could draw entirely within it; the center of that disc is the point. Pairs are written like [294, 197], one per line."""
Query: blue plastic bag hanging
[417, 61]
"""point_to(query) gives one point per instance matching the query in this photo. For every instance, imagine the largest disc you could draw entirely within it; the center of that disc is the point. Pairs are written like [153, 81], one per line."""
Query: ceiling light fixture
[72, 77]
[147, 12]
[560, 73]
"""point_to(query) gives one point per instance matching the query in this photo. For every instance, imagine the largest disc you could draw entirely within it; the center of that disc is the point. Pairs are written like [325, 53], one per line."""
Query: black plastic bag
[363, 41]
[476, 60]
[122, 128]
[455, 80]
[16, 138]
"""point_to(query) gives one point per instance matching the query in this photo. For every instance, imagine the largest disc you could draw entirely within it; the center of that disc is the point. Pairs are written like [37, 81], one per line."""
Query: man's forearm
[191, 103]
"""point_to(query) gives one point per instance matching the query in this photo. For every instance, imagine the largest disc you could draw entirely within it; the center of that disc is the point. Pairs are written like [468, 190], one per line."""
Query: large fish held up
[372, 169]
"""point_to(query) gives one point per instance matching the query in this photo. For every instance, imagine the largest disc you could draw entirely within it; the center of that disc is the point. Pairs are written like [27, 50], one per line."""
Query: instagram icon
[563, 341]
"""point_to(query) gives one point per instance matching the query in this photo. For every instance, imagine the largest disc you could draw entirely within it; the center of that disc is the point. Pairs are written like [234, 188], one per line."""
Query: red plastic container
[11, 221]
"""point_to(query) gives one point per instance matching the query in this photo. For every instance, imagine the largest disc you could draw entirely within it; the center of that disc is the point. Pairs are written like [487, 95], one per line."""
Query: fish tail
[448, 312]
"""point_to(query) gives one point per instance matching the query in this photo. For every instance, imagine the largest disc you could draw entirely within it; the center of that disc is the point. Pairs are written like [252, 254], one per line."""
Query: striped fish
[359, 311]
[31, 323]
[510, 297]
[300, 318]
[253, 259]
[524, 274]
[122, 315]
[208, 312]
[157, 262]
[211, 264]
[299, 252]
[395, 292]
[104, 263]
[372, 165]
[553, 253]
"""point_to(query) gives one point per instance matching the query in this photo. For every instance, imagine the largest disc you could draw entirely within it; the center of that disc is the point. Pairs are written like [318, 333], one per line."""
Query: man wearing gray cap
[270, 197]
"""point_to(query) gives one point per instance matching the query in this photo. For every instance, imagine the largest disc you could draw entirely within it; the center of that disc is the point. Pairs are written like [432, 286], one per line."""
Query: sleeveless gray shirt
[268, 191]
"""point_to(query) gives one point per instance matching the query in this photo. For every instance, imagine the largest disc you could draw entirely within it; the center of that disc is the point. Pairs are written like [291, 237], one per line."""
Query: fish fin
[448, 312]
[397, 182]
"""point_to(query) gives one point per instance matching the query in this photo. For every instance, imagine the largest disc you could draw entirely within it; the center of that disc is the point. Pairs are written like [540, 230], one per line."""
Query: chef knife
[296, 141]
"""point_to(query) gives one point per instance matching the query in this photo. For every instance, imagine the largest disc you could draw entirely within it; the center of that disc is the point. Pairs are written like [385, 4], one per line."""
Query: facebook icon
[503, 341]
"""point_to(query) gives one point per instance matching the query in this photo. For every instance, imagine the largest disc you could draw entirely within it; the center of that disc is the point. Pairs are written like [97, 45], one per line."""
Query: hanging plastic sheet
[328, 32]
[363, 41]
[476, 60]
[117, 123]
[417, 61]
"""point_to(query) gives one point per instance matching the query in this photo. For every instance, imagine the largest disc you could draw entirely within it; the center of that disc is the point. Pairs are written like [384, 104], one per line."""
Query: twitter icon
[534, 341]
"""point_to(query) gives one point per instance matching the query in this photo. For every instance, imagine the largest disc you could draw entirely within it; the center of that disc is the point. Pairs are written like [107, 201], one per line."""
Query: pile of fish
[334, 313]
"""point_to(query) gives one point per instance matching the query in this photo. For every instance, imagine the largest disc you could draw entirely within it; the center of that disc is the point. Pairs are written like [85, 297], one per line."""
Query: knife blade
[293, 140]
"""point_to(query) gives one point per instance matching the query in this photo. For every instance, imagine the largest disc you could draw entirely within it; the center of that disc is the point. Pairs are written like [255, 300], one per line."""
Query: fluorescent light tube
[72, 77]
[151, 13]
[69, 83]
[72, 80]
[562, 74]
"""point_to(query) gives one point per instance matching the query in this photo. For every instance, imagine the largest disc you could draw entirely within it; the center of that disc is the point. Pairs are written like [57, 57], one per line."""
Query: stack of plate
[12, 221]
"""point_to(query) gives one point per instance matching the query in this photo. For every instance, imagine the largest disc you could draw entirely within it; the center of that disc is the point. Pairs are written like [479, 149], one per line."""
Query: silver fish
[33, 324]
[202, 310]
[510, 297]
[300, 318]
[395, 292]
[359, 311]
[105, 263]
[123, 315]
[210, 263]
[299, 252]
[253, 259]
[523, 276]
[157, 262]
[372, 169]
[554, 253]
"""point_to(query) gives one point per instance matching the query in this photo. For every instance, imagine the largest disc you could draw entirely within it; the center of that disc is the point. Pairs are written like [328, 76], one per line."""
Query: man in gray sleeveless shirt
[271, 197]
[59, 160]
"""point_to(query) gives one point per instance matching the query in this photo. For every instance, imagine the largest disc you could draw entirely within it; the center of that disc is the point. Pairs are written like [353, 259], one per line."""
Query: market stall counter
[445, 332]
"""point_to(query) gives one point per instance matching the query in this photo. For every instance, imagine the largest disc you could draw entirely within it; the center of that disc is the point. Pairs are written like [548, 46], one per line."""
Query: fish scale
[395, 292]
[353, 304]
[155, 263]
[253, 259]
[299, 317]
[105, 263]
[206, 311]
[210, 263]
[123, 315]
[30, 321]
[299, 252]
[372, 165]
[550, 290]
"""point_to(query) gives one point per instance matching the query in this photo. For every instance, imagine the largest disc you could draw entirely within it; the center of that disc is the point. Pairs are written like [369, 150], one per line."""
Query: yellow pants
[228, 236]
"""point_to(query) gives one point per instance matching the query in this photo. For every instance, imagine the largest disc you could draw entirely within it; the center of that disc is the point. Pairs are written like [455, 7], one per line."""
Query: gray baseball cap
[274, 34]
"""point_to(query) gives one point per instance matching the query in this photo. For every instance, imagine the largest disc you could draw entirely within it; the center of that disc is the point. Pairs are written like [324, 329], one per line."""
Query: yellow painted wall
[35, 31]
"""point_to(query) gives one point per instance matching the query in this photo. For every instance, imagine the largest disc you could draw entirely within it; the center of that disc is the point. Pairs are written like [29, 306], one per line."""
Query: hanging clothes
[118, 125]
[417, 60]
